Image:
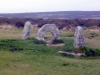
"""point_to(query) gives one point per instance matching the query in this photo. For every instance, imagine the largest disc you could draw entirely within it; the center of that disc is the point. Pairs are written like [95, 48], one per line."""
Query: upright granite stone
[48, 28]
[26, 30]
[79, 38]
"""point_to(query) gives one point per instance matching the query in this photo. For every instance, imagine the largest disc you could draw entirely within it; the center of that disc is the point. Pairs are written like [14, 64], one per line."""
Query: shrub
[91, 52]
[38, 41]
[57, 41]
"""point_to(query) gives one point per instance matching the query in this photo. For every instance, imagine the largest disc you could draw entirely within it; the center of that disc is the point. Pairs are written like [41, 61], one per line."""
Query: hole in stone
[48, 36]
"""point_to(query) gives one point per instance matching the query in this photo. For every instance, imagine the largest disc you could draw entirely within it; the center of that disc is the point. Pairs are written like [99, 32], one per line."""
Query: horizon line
[49, 11]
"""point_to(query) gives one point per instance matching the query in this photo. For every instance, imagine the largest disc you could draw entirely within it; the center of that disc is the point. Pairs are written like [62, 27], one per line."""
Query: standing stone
[48, 28]
[79, 38]
[26, 30]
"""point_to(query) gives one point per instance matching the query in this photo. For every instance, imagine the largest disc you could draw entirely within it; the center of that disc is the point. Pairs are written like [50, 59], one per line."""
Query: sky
[22, 6]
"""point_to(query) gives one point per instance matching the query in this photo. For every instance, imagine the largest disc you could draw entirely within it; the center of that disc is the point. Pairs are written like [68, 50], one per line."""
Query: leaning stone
[79, 38]
[26, 30]
[48, 28]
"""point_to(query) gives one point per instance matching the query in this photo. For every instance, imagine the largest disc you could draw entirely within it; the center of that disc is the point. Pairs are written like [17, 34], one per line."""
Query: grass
[38, 59]
[27, 63]
[91, 40]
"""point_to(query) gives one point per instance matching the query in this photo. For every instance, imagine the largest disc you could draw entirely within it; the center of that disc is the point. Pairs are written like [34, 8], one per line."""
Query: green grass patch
[25, 57]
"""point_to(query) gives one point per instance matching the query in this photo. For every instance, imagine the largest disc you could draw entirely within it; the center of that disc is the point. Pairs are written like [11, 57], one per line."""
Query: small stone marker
[79, 38]
[26, 30]
[48, 28]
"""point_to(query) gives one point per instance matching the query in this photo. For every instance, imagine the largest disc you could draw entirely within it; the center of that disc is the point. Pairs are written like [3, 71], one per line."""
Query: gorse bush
[91, 52]
[35, 41]
[57, 41]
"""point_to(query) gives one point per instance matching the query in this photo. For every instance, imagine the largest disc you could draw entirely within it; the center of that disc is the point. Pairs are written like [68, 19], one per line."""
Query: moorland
[25, 57]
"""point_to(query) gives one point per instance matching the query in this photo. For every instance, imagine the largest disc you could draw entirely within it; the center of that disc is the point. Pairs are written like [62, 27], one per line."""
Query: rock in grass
[79, 38]
[26, 31]
[48, 28]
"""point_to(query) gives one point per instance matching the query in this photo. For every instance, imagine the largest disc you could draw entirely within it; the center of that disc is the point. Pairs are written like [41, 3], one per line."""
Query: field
[23, 57]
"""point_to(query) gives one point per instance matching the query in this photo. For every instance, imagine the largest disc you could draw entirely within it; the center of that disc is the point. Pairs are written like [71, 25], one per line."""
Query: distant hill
[57, 15]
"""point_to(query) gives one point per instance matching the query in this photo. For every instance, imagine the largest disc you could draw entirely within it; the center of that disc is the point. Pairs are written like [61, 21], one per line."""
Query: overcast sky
[21, 6]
